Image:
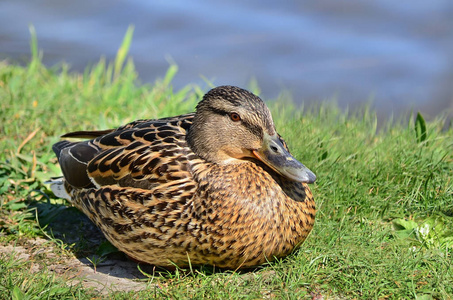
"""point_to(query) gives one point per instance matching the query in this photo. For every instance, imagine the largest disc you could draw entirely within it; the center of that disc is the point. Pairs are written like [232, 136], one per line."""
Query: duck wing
[142, 154]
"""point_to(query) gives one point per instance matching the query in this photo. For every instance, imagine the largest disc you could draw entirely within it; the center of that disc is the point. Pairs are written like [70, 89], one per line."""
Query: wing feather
[143, 154]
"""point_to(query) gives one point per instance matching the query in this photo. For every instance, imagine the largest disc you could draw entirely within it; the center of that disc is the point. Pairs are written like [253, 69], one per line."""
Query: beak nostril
[275, 149]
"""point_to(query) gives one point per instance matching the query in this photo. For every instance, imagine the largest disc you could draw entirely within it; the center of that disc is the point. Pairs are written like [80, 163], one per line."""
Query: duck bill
[274, 155]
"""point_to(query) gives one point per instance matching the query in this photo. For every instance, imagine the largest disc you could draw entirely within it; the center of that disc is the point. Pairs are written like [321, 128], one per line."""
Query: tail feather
[86, 134]
[57, 147]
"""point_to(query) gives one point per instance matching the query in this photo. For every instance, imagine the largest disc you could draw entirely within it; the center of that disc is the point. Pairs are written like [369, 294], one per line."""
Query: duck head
[232, 125]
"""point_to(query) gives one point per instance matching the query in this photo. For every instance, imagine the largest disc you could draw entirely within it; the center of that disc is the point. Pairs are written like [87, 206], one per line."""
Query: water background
[397, 53]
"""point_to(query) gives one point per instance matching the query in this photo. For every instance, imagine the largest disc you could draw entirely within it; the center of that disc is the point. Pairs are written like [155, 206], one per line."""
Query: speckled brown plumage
[215, 187]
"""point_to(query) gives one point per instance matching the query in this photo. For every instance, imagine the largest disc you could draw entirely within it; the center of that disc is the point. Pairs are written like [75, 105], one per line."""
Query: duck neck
[204, 141]
[200, 146]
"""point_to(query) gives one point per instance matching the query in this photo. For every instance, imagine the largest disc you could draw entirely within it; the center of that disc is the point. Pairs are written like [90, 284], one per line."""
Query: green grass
[384, 193]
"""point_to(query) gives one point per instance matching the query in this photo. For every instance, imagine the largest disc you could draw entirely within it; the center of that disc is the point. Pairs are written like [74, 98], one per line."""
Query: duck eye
[235, 117]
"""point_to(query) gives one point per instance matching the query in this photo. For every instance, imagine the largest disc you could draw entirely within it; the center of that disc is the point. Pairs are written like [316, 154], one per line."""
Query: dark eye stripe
[219, 111]
[255, 129]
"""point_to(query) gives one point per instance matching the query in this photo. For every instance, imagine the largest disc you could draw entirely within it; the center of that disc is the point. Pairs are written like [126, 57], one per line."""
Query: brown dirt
[109, 275]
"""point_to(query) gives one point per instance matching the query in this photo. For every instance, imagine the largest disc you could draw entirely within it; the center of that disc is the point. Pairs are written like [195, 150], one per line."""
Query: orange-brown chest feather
[258, 215]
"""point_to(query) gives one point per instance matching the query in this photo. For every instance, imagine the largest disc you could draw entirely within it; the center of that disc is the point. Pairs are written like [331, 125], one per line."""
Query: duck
[215, 187]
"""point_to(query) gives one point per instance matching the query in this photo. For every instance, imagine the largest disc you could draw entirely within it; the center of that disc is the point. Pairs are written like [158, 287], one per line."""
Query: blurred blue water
[399, 54]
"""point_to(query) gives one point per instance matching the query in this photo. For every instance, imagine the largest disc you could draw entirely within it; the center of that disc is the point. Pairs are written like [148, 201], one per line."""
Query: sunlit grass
[378, 185]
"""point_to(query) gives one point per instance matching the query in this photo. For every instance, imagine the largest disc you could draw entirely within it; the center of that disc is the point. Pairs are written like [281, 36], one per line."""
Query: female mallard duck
[216, 187]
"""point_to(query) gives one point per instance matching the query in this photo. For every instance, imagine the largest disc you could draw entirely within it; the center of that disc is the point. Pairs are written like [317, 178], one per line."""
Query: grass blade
[123, 51]
[420, 128]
